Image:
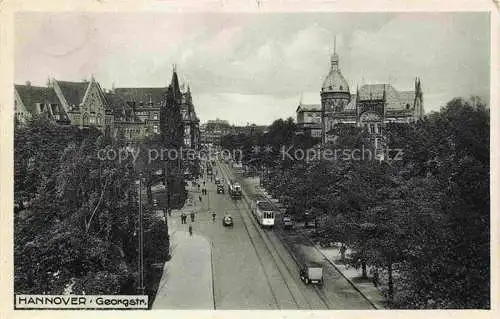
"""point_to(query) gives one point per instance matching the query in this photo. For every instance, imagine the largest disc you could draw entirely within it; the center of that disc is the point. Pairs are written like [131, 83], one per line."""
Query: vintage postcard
[248, 155]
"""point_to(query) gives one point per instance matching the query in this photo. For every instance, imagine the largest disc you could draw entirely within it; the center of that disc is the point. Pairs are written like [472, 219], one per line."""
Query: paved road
[250, 267]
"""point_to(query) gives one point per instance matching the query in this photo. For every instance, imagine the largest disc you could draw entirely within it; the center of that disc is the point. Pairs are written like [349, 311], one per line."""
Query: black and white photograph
[251, 160]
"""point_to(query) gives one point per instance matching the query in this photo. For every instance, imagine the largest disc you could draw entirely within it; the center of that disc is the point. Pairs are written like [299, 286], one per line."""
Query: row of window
[92, 119]
[154, 117]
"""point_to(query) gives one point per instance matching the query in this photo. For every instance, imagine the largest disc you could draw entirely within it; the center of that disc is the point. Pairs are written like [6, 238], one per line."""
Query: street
[250, 266]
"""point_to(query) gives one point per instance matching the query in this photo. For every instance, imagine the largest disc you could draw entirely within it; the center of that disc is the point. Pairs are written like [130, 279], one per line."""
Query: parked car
[287, 221]
[227, 220]
[312, 273]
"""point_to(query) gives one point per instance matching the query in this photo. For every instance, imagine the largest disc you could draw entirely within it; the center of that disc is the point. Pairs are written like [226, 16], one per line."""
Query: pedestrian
[182, 218]
[203, 183]
[198, 187]
[200, 198]
[342, 252]
[375, 277]
[192, 216]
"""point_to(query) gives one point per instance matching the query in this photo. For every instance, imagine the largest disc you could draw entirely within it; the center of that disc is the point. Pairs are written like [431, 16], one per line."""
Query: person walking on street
[190, 230]
[200, 198]
[213, 216]
[203, 183]
[192, 216]
[183, 218]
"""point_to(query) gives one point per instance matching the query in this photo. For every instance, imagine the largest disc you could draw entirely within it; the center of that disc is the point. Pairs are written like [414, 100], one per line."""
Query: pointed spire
[334, 61]
[301, 96]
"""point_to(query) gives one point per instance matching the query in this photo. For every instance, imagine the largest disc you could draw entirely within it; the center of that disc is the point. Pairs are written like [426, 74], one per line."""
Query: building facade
[309, 120]
[127, 113]
[371, 107]
[213, 130]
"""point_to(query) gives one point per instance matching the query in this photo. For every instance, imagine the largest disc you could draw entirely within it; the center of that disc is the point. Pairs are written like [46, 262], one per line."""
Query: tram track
[321, 294]
[282, 267]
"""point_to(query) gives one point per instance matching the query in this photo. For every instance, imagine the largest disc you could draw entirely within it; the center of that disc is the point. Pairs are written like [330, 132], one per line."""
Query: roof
[335, 81]
[121, 110]
[30, 95]
[395, 100]
[265, 205]
[144, 94]
[407, 97]
[73, 92]
[309, 108]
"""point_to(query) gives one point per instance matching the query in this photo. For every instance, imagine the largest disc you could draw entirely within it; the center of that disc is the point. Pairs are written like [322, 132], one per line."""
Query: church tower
[335, 95]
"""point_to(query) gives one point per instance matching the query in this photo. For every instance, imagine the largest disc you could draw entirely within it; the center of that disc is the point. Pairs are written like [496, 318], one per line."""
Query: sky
[254, 67]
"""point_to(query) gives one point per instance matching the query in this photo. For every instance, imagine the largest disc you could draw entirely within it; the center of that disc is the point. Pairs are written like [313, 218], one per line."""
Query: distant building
[213, 131]
[309, 119]
[249, 129]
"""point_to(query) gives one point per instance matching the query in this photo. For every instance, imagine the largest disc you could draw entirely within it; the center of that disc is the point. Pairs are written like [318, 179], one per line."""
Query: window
[407, 106]
[155, 116]
[372, 128]
[340, 88]
[155, 128]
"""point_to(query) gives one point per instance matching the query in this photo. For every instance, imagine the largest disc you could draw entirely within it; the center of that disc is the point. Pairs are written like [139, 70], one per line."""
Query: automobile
[227, 220]
[217, 180]
[312, 273]
[287, 221]
[220, 189]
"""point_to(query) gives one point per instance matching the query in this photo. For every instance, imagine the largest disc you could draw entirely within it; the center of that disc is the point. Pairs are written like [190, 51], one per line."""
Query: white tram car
[264, 212]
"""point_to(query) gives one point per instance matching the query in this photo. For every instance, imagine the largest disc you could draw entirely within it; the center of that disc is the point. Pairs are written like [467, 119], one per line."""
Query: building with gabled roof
[370, 107]
[30, 101]
[128, 113]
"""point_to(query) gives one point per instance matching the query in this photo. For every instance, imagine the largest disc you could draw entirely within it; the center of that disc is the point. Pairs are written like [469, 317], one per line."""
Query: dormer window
[340, 87]
[407, 106]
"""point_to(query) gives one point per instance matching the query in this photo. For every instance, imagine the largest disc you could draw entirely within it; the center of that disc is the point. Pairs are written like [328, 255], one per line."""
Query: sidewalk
[316, 253]
[186, 282]
[367, 288]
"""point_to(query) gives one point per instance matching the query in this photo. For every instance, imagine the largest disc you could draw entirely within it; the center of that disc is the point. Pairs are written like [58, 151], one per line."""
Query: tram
[264, 212]
[234, 189]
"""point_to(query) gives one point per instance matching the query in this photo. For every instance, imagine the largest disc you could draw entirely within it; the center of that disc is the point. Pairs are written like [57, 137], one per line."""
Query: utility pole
[141, 241]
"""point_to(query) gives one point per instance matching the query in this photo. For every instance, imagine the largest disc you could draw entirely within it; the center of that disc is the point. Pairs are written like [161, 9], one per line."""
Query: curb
[343, 275]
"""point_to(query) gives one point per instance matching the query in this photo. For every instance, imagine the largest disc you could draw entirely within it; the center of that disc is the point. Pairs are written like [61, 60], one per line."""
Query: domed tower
[335, 95]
